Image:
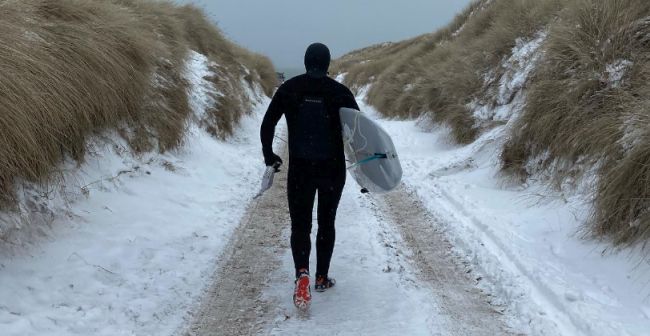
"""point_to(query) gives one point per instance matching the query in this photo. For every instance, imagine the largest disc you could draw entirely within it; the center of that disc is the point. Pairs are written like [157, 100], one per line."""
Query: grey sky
[282, 29]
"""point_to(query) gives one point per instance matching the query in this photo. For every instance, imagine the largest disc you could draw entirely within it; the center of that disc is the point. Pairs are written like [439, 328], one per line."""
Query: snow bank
[133, 240]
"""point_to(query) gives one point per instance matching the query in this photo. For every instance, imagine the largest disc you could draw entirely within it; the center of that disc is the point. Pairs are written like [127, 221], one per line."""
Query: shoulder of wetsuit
[292, 85]
[338, 89]
[286, 87]
[345, 90]
[291, 90]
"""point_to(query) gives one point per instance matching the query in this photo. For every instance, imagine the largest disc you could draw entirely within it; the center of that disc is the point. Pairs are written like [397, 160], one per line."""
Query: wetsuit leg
[301, 190]
[329, 195]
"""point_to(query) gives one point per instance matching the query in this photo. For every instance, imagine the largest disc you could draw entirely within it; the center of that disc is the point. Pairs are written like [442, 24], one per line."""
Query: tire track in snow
[468, 309]
[233, 304]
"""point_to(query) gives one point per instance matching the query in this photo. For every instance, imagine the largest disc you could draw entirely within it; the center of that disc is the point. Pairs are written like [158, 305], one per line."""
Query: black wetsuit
[316, 159]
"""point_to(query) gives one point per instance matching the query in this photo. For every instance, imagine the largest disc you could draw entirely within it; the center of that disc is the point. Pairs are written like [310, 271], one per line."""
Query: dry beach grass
[72, 68]
[587, 107]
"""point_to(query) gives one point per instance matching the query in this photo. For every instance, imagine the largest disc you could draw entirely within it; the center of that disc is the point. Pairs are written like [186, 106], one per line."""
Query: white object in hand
[267, 179]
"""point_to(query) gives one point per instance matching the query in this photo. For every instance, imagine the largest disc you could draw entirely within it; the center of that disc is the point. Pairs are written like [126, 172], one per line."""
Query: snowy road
[386, 285]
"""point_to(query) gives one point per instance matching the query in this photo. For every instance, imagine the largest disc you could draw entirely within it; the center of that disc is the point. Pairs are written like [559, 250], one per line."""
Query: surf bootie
[324, 283]
[302, 293]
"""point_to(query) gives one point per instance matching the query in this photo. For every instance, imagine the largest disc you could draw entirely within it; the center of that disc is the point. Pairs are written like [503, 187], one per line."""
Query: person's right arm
[345, 97]
[267, 131]
[349, 101]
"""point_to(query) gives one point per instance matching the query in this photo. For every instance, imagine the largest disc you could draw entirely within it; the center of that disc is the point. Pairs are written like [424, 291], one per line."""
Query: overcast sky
[282, 29]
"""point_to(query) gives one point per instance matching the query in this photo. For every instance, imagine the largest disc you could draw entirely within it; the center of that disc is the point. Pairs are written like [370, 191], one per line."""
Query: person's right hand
[273, 160]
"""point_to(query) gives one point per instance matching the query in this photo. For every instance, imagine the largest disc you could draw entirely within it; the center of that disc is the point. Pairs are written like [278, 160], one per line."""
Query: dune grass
[72, 68]
[587, 105]
[442, 72]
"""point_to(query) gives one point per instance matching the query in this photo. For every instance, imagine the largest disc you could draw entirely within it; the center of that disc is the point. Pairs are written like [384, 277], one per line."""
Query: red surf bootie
[302, 293]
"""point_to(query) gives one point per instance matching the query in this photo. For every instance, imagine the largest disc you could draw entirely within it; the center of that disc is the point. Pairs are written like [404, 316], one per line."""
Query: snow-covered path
[132, 258]
[376, 292]
[384, 287]
[386, 284]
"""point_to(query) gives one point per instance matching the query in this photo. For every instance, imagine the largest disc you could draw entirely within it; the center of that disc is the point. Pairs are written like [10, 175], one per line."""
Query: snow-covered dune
[133, 239]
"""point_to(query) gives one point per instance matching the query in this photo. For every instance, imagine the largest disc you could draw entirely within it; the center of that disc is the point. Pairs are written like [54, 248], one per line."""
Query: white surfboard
[374, 162]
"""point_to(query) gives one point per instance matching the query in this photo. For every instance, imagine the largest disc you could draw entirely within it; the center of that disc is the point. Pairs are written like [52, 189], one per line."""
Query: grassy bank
[586, 107]
[72, 68]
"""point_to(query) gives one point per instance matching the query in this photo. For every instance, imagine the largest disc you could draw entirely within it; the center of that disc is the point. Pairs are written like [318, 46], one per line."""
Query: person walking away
[310, 103]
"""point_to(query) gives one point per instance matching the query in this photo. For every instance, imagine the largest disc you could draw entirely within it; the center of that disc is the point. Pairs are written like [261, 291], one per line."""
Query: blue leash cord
[377, 156]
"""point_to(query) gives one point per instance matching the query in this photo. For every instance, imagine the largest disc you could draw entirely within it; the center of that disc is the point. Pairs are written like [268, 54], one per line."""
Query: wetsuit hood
[317, 60]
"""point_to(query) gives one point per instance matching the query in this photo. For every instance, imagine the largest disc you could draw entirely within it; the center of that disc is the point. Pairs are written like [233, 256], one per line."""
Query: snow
[509, 97]
[461, 28]
[519, 66]
[202, 92]
[135, 239]
[633, 128]
[615, 72]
